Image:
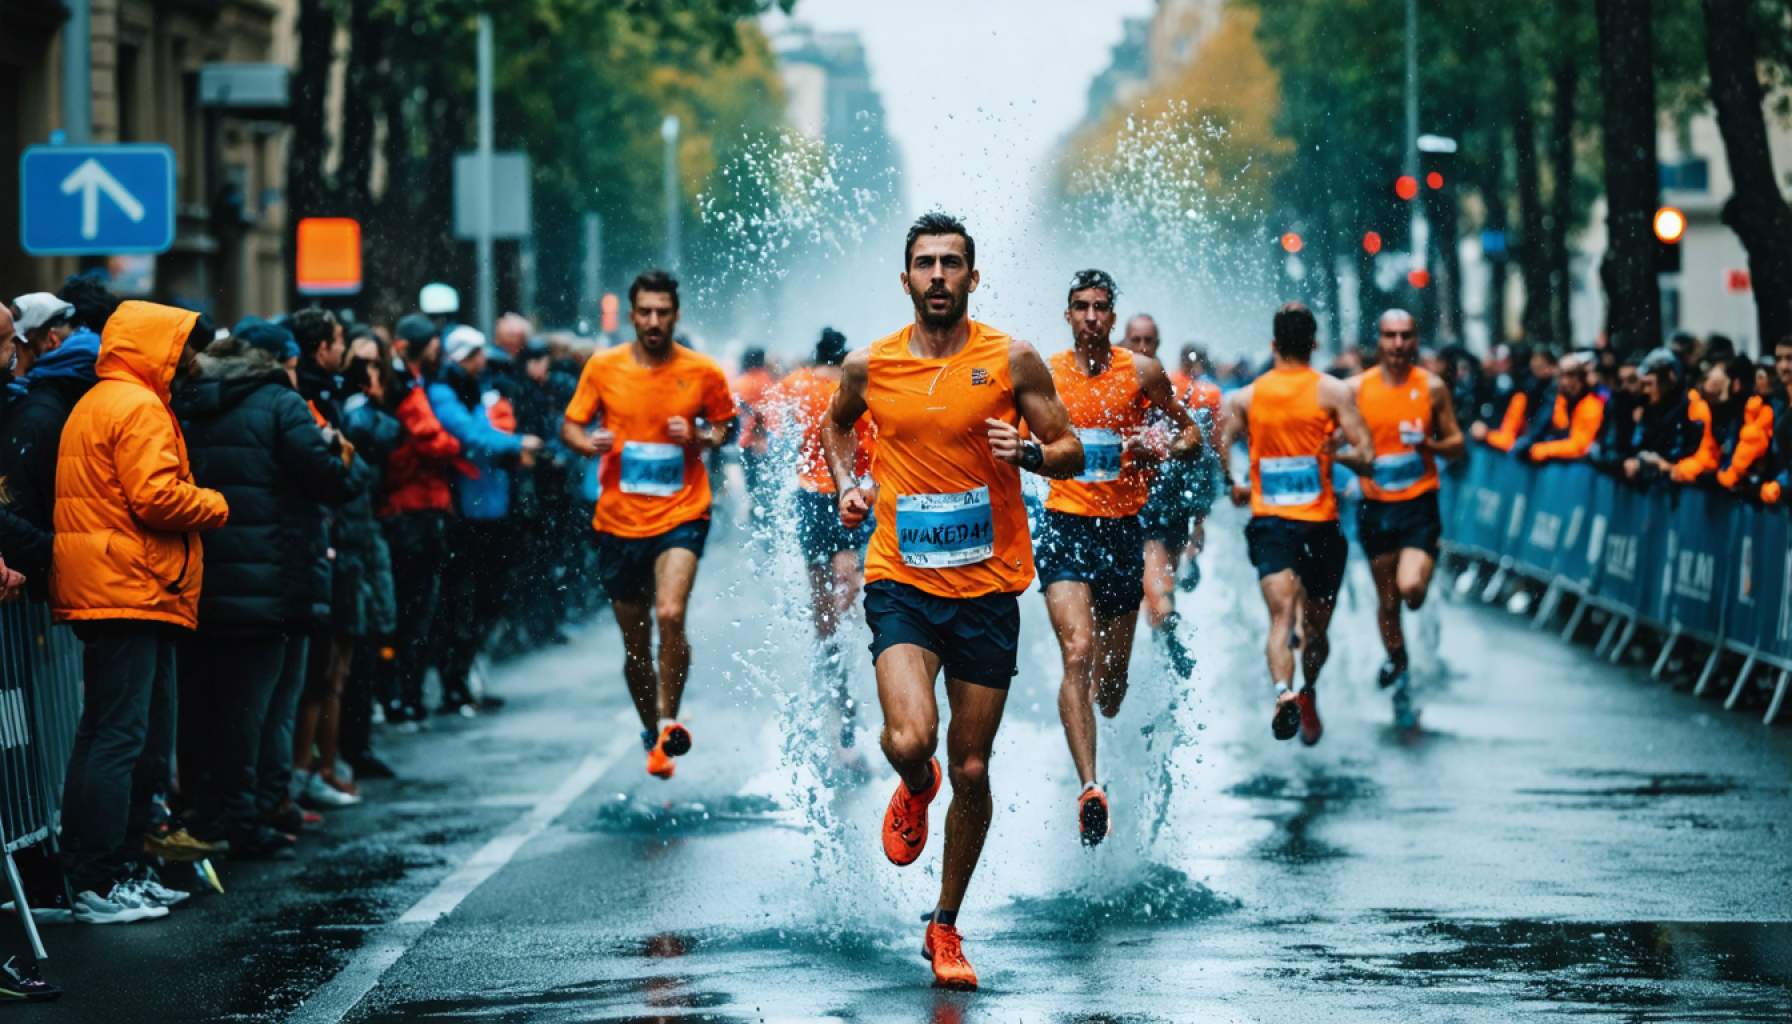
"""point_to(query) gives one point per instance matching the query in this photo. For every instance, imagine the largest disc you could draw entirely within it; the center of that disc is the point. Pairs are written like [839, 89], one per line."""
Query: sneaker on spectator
[121, 905]
[180, 845]
[54, 910]
[319, 793]
[262, 844]
[154, 893]
[370, 766]
[21, 981]
[292, 820]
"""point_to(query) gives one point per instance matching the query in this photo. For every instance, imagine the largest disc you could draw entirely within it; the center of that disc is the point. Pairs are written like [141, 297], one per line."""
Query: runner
[831, 552]
[1090, 550]
[950, 551]
[1289, 416]
[660, 406]
[1412, 424]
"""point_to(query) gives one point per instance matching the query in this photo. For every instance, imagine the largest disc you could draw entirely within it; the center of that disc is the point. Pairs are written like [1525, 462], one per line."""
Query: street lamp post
[482, 204]
[669, 133]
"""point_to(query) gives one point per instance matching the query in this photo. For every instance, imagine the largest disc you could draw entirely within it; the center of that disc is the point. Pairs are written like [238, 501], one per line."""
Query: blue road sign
[96, 200]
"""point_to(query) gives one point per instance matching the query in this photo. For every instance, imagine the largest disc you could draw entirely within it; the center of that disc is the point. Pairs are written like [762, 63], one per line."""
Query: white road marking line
[340, 995]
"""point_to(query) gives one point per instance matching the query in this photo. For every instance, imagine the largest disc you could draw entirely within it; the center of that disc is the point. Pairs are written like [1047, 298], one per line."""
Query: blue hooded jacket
[71, 360]
[487, 495]
[40, 404]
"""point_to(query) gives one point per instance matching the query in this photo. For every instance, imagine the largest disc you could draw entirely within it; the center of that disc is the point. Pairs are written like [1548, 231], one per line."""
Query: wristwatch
[1032, 456]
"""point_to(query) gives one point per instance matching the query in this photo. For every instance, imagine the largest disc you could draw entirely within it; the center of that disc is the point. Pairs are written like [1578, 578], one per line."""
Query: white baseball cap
[37, 309]
[462, 342]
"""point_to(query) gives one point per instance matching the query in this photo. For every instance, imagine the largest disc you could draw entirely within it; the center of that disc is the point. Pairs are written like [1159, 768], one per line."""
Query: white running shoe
[123, 905]
[321, 793]
[155, 894]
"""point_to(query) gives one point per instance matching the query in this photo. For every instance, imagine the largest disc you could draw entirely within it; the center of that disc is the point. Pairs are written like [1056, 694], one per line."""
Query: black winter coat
[251, 436]
[28, 467]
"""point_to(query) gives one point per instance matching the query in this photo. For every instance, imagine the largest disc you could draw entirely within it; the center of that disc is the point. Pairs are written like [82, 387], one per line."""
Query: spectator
[367, 613]
[1530, 405]
[1667, 433]
[1686, 350]
[1715, 405]
[42, 322]
[472, 582]
[1617, 431]
[1752, 437]
[1574, 421]
[544, 515]
[419, 493]
[44, 398]
[127, 569]
[253, 439]
[1781, 452]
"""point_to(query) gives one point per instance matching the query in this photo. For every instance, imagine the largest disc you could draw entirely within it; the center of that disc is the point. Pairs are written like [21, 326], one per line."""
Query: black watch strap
[1032, 456]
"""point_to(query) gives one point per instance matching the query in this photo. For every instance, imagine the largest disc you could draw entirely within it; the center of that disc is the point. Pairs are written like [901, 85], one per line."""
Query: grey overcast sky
[977, 92]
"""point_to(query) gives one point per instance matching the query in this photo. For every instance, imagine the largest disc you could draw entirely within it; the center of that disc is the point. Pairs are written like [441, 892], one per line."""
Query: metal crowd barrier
[40, 707]
[1687, 562]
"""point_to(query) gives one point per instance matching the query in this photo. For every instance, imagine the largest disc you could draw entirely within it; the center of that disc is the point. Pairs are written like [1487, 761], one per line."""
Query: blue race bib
[1398, 471]
[1101, 455]
[652, 469]
[1291, 480]
[940, 531]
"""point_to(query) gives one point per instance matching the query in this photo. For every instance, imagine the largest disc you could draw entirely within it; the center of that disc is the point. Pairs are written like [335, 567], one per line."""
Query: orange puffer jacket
[127, 510]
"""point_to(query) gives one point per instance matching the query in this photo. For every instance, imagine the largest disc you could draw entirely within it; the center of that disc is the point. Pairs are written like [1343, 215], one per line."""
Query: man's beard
[949, 318]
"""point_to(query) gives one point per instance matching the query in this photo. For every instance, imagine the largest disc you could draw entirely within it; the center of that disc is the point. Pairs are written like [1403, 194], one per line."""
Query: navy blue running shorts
[1388, 527]
[625, 564]
[819, 531]
[1107, 554]
[1315, 551]
[977, 639]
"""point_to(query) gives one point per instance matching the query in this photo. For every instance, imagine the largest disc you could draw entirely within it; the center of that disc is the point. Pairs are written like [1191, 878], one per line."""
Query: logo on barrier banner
[1545, 530]
[1745, 573]
[1596, 541]
[1575, 519]
[1620, 557]
[1487, 507]
[1695, 576]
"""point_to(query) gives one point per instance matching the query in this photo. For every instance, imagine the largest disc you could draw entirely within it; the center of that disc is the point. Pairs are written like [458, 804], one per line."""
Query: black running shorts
[1387, 527]
[976, 638]
[1315, 551]
[625, 564]
[1107, 554]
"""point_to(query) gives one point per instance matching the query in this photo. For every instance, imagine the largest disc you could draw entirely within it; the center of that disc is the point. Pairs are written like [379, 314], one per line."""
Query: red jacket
[420, 471]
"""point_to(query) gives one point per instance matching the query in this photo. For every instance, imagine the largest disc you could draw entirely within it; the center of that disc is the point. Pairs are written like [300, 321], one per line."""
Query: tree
[1627, 82]
[1756, 210]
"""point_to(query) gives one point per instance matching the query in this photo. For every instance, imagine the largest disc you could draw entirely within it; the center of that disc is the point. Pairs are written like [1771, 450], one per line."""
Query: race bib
[1412, 432]
[1291, 480]
[1101, 455]
[652, 469]
[1399, 471]
[940, 531]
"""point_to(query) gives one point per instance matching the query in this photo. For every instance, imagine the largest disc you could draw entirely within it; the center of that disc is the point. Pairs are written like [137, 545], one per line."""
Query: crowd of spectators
[266, 536]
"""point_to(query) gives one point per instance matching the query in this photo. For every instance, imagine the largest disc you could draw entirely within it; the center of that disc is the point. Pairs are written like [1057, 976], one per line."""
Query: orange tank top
[1105, 410]
[950, 520]
[798, 404]
[1291, 447]
[1399, 417]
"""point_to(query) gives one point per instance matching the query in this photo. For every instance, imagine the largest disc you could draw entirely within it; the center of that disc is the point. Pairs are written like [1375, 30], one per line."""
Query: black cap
[416, 329]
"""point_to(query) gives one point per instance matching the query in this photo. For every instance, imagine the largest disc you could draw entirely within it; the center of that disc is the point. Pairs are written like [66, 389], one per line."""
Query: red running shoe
[905, 820]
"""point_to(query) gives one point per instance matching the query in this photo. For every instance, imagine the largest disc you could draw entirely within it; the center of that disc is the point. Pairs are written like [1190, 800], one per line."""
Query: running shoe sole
[676, 740]
[1092, 817]
[1286, 721]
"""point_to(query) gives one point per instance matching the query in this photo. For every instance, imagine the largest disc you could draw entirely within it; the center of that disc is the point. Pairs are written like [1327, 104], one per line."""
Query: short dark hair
[312, 327]
[656, 280]
[1785, 342]
[752, 359]
[93, 304]
[938, 222]
[1296, 331]
[1093, 278]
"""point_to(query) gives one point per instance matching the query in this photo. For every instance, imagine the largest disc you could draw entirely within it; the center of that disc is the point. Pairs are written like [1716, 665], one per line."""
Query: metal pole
[77, 73]
[669, 132]
[487, 280]
[591, 307]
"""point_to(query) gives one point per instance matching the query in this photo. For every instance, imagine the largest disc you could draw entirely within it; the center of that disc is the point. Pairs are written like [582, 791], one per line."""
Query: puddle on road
[1642, 786]
[629, 815]
[1163, 896]
[1312, 797]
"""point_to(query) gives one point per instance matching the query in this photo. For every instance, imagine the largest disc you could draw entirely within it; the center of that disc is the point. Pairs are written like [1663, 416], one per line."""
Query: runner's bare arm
[1446, 440]
[1336, 398]
[573, 428]
[840, 443]
[1156, 385]
[1235, 410]
[1047, 420]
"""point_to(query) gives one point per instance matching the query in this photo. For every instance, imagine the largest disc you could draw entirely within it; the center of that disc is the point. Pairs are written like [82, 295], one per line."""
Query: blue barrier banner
[1480, 507]
[1618, 568]
[1750, 589]
[1590, 493]
[1699, 560]
[1556, 519]
[1775, 581]
[1513, 479]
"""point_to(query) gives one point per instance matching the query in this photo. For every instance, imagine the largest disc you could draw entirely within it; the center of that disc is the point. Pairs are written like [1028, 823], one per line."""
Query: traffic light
[1406, 187]
[1371, 242]
[1434, 180]
[1291, 243]
[1418, 277]
[610, 305]
[1670, 228]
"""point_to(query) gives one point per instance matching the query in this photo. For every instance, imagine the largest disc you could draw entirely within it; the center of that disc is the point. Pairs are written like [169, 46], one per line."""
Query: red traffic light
[1435, 180]
[1406, 186]
[1371, 242]
[1418, 277]
[1291, 242]
[1670, 225]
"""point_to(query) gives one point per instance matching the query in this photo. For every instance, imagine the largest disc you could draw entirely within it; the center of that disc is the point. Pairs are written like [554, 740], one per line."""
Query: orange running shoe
[674, 741]
[905, 821]
[944, 948]
[1092, 816]
[1311, 728]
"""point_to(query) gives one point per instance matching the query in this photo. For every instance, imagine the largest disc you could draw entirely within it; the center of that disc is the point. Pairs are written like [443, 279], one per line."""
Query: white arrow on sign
[90, 179]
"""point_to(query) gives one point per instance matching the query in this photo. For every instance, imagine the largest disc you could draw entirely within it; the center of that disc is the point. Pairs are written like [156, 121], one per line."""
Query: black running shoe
[1286, 721]
[1181, 662]
[1390, 674]
[22, 981]
[1191, 577]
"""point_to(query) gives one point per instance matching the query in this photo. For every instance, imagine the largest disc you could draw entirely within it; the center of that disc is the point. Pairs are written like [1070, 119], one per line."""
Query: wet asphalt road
[1564, 839]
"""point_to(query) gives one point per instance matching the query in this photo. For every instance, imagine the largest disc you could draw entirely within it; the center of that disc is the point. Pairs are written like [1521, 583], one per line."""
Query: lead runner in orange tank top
[1291, 416]
[1412, 425]
[1090, 550]
[947, 396]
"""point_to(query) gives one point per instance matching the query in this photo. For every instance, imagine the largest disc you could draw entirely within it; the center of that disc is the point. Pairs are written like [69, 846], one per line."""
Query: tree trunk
[1493, 197]
[1566, 77]
[1755, 210]
[1627, 85]
[306, 190]
[363, 84]
[1532, 264]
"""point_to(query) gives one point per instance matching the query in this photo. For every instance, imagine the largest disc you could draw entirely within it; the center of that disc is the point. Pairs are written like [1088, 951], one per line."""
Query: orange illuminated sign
[329, 256]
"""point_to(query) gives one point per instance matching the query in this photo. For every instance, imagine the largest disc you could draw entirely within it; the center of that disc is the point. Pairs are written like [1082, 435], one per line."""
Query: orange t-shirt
[1291, 447]
[950, 519]
[1399, 417]
[799, 404]
[1104, 409]
[750, 393]
[650, 485]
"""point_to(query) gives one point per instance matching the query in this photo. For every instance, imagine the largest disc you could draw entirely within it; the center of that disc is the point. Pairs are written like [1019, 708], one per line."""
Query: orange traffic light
[1406, 186]
[610, 306]
[1435, 180]
[1371, 242]
[1291, 242]
[1670, 225]
[1418, 277]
